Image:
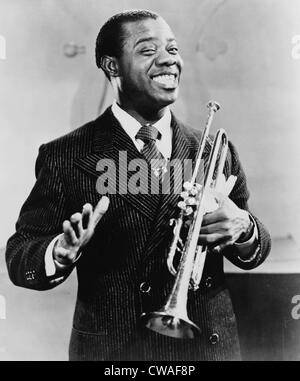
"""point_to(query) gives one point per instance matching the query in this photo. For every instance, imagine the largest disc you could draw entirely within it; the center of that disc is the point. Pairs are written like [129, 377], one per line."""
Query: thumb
[219, 197]
[100, 209]
[219, 248]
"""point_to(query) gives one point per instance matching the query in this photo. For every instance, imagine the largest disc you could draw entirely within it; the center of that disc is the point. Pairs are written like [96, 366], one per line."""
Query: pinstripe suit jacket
[128, 249]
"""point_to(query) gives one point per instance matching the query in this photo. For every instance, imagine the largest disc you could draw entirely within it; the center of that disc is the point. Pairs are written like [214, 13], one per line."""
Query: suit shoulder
[194, 135]
[80, 140]
[76, 137]
[188, 131]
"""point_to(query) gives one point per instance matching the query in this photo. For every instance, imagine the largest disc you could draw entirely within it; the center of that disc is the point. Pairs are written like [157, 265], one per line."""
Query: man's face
[149, 66]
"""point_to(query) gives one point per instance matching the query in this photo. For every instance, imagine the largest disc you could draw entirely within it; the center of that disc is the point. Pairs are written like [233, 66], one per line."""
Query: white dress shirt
[131, 126]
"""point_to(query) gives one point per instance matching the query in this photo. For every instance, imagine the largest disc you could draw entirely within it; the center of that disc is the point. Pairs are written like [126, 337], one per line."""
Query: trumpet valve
[187, 186]
[182, 205]
[188, 211]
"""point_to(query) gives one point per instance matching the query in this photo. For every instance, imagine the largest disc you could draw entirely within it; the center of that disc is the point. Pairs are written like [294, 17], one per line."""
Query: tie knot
[147, 133]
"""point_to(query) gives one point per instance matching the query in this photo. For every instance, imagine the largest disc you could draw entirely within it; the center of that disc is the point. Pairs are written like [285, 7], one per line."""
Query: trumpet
[172, 319]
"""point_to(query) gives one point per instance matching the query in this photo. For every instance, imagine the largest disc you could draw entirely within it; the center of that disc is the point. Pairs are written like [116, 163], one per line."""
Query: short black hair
[110, 38]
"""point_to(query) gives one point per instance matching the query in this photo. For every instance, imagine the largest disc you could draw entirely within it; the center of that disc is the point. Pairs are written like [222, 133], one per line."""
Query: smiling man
[143, 65]
[145, 72]
[118, 242]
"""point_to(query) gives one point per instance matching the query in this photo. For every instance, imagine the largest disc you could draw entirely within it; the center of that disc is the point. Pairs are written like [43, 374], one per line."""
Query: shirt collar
[132, 126]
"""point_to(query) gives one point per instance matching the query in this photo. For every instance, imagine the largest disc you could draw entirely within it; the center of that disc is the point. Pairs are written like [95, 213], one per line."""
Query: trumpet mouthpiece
[215, 106]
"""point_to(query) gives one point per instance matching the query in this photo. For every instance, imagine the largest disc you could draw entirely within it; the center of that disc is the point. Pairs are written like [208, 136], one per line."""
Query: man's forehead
[147, 29]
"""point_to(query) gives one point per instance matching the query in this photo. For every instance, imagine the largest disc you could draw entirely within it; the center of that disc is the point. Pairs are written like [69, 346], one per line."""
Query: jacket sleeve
[240, 196]
[40, 220]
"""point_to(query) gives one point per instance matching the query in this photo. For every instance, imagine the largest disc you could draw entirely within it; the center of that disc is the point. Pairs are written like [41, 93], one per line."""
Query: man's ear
[110, 66]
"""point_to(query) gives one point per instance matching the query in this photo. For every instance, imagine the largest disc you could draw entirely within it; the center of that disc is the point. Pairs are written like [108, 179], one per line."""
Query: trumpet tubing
[172, 319]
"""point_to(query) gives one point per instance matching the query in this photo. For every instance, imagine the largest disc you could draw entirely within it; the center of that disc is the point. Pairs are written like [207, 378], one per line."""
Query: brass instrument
[172, 319]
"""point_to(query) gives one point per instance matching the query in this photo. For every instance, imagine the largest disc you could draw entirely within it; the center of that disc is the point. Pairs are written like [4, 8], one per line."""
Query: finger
[211, 239]
[218, 227]
[69, 234]
[87, 212]
[100, 209]
[76, 224]
[64, 255]
[217, 249]
[213, 217]
[61, 252]
[219, 196]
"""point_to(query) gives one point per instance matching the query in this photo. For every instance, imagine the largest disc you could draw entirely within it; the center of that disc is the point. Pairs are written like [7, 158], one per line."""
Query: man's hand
[224, 226]
[78, 231]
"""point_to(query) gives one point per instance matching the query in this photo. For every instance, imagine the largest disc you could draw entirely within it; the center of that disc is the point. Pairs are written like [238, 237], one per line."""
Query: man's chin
[167, 98]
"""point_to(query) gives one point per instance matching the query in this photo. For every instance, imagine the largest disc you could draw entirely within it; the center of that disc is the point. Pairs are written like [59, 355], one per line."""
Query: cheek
[135, 78]
[134, 74]
[139, 82]
[180, 64]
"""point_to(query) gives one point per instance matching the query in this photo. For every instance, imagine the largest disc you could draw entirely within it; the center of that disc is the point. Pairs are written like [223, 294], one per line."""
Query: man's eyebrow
[147, 39]
[144, 39]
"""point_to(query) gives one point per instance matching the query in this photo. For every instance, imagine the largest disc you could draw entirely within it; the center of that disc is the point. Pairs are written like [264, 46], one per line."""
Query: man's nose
[165, 58]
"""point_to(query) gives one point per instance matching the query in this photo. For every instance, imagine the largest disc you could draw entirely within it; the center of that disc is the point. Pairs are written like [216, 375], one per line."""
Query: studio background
[238, 52]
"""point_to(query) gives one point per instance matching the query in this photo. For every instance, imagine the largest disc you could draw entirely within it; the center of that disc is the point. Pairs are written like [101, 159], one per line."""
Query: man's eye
[173, 50]
[148, 52]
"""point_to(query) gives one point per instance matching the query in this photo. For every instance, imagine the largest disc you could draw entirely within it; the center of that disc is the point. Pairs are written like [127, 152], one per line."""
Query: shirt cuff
[246, 248]
[50, 265]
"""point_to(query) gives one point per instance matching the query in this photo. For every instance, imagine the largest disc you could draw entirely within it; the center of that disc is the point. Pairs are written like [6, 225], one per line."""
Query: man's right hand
[78, 231]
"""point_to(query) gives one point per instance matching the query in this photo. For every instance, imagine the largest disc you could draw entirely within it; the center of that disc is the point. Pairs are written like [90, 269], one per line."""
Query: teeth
[165, 79]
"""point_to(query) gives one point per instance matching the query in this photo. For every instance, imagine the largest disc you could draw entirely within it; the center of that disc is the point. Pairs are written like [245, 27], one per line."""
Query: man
[118, 243]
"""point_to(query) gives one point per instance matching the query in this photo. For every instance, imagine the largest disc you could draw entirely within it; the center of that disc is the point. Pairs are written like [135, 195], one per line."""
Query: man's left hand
[224, 226]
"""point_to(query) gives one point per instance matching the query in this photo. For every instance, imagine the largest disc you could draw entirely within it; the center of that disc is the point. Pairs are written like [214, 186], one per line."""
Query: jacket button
[214, 338]
[145, 287]
[208, 282]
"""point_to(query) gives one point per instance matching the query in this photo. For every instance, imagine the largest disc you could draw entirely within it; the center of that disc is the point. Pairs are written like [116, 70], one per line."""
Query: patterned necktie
[149, 134]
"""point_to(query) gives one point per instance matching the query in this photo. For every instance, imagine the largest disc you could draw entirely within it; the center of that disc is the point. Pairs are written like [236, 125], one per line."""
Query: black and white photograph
[149, 189]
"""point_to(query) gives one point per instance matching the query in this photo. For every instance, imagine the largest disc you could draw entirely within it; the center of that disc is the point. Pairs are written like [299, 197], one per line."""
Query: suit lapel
[183, 148]
[111, 142]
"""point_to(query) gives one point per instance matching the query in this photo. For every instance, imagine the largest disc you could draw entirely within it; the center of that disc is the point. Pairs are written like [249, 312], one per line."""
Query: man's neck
[144, 116]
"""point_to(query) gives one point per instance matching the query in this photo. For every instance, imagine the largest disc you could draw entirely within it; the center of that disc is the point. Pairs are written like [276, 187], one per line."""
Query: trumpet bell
[169, 325]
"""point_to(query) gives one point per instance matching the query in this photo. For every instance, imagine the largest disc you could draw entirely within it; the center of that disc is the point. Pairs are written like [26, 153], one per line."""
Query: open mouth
[167, 80]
